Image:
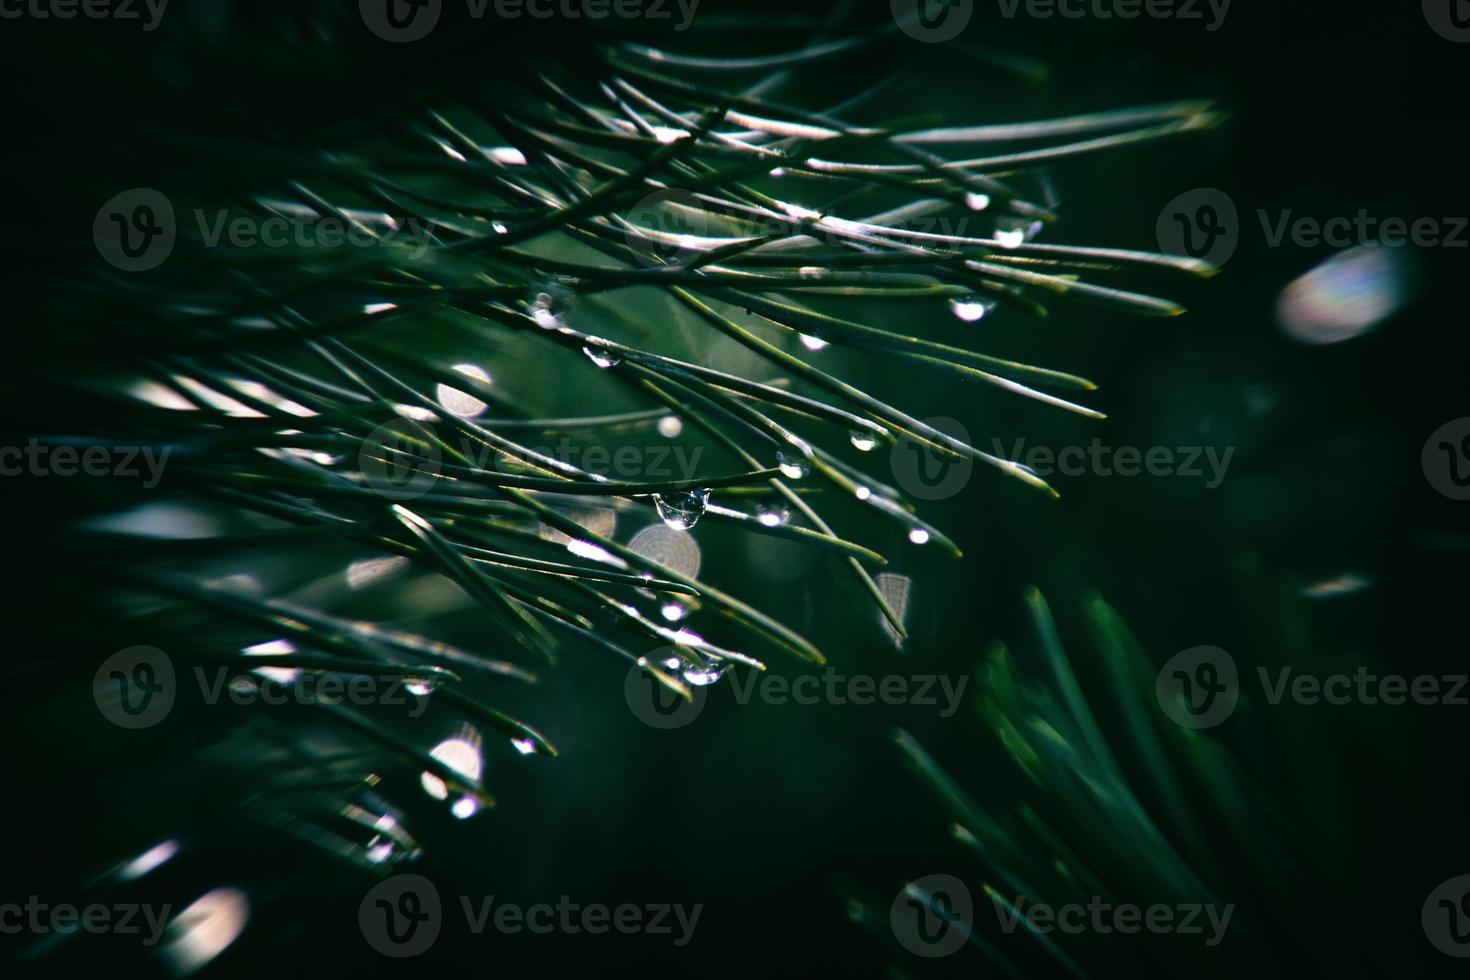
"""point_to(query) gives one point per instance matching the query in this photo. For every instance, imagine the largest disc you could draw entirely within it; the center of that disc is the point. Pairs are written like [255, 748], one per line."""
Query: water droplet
[683, 509]
[602, 357]
[542, 311]
[1013, 232]
[862, 440]
[379, 850]
[793, 465]
[810, 272]
[465, 807]
[670, 426]
[421, 686]
[523, 745]
[667, 134]
[812, 343]
[778, 172]
[462, 755]
[673, 611]
[508, 155]
[703, 676]
[499, 227]
[772, 516]
[863, 493]
[919, 536]
[968, 309]
[976, 201]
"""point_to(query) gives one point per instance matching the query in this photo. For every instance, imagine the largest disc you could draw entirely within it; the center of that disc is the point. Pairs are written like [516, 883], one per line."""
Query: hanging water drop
[1013, 232]
[602, 357]
[668, 134]
[792, 464]
[461, 755]
[421, 686]
[976, 201]
[380, 851]
[968, 309]
[683, 509]
[812, 343]
[542, 312]
[772, 516]
[919, 536]
[703, 676]
[862, 440]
